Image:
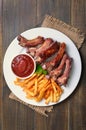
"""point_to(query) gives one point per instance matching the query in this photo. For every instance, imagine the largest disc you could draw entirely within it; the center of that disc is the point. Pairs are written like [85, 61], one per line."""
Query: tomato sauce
[22, 65]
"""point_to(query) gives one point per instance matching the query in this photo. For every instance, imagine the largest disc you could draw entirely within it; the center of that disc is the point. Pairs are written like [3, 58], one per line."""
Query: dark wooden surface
[17, 16]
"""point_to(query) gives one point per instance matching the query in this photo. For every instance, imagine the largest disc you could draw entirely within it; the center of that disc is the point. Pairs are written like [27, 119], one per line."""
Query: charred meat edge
[62, 80]
[30, 43]
[58, 70]
[48, 52]
[53, 62]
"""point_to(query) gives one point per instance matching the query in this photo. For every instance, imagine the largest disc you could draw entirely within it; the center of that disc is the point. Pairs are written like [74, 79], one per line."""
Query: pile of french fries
[38, 87]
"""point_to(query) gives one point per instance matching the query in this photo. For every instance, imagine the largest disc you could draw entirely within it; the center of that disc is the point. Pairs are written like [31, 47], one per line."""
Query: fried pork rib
[44, 46]
[53, 62]
[30, 43]
[62, 80]
[31, 50]
[48, 52]
[55, 73]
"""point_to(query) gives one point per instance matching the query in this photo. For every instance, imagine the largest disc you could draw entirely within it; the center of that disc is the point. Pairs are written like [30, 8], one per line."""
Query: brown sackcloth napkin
[73, 33]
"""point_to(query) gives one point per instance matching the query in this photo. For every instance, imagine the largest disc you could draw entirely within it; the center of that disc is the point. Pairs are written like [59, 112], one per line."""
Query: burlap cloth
[74, 34]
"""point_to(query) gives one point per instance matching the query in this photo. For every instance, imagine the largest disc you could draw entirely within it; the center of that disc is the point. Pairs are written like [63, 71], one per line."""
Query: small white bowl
[23, 65]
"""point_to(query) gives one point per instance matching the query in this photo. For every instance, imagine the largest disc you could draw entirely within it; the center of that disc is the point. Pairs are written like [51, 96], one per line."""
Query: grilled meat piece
[53, 62]
[52, 49]
[58, 70]
[44, 46]
[31, 50]
[62, 80]
[30, 43]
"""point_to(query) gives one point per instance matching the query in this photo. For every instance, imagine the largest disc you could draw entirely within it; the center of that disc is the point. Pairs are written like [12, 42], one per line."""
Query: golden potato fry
[47, 93]
[54, 88]
[41, 77]
[29, 96]
[56, 85]
[32, 77]
[19, 83]
[31, 93]
[40, 96]
[51, 96]
[54, 97]
[30, 83]
[47, 100]
[38, 87]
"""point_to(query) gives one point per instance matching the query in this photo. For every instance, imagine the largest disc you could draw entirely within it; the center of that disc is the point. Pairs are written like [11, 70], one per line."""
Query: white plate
[15, 49]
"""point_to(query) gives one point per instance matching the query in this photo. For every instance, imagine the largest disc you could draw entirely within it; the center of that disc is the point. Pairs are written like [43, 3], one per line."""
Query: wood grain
[78, 14]
[1, 84]
[18, 16]
[55, 8]
[77, 103]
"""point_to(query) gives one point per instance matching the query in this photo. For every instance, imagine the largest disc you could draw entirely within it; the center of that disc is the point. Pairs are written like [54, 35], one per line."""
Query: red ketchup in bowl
[23, 65]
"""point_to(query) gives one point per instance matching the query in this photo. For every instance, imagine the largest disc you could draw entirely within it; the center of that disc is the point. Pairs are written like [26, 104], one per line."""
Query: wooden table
[17, 16]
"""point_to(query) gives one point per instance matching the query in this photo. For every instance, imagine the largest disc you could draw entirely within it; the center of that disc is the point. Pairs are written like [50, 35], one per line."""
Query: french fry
[40, 96]
[30, 83]
[17, 81]
[38, 87]
[31, 93]
[54, 88]
[29, 79]
[56, 85]
[51, 96]
[43, 85]
[47, 93]
[35, 87]
[54, 97]
[40, 78]
[47, 100]
[29, 96]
